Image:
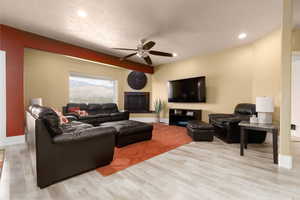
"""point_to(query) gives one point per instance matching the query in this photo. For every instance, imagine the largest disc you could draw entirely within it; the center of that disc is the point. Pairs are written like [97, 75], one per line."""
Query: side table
[269, 128]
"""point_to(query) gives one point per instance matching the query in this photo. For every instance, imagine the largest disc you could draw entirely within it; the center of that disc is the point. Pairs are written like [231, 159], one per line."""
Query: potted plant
[158, 106]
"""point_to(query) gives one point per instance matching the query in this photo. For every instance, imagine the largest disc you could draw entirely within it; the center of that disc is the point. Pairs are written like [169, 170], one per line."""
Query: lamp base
[265, 118]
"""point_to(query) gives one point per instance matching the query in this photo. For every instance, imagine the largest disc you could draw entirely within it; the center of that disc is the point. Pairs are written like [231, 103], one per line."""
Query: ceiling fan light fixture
[142, 54]
[144, 50]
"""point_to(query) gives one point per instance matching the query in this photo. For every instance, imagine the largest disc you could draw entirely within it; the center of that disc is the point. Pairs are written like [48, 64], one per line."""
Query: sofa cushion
[128, 127]
[82, 106]
[73, 126]
[109, 108]
[94, 108]
[101, 115]
[82, 132]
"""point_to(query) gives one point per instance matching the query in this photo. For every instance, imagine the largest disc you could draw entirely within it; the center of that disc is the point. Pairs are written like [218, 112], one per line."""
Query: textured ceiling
[187, 27]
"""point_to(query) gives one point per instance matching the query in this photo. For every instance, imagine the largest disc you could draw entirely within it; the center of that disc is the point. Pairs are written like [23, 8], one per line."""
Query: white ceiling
[187, 27]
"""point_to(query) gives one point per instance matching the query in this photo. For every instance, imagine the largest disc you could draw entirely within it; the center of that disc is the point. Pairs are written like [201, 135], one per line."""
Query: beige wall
[46, 75]
[266, 65]
[233, 76]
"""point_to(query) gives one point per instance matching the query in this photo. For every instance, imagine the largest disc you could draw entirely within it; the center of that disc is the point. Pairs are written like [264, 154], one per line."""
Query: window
[85, 89]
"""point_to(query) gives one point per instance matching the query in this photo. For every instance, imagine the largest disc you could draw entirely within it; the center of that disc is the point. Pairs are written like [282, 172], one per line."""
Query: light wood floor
[195, 171]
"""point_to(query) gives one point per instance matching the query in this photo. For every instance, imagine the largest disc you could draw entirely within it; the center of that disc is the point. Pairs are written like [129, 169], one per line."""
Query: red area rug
[164, 138]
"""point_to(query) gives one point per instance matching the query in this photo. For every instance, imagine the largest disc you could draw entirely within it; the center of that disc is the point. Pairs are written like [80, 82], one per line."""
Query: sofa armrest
[231, 120]
[220, 115]
[126, 114]
[227, 121]
[64, 110]
[213, 117]
[91, 149]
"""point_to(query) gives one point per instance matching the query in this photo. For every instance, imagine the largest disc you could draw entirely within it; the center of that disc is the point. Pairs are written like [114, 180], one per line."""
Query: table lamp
[36, 101]
[264, 109]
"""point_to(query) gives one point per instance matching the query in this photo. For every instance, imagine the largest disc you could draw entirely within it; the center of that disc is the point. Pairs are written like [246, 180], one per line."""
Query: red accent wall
[13, 41]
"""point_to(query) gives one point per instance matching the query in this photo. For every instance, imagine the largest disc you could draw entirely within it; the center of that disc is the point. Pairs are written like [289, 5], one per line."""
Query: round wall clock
[137, 80]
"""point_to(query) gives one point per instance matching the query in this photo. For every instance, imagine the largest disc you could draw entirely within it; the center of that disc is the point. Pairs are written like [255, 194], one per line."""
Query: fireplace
[136, 102]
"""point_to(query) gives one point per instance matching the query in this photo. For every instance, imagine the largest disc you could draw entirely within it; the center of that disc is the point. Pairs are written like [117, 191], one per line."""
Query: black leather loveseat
[97, 113]
[227, 128]
[61, 151]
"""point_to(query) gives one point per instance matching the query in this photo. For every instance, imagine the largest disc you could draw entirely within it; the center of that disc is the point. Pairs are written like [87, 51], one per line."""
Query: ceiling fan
[144, 51]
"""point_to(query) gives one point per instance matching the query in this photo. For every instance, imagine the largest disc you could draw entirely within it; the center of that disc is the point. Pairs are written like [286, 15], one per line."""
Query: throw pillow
[82, 113]
[62, 118]
[73, 109]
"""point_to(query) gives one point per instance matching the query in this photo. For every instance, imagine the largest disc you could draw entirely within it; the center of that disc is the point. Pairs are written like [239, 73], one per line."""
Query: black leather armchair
[227, 128]
[62, 151]
[97, 113]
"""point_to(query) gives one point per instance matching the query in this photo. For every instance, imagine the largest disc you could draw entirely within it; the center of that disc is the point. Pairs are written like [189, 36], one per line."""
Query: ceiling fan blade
[124, 49]
[160, 53]
[148, 45]
[148, 60]
[125, 57]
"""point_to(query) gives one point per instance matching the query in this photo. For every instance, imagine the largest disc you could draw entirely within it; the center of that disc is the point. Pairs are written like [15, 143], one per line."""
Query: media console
[180, 117]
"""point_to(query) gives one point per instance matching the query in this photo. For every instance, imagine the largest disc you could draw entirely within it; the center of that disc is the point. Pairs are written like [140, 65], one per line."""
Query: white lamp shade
[264, 104]
[36, 101]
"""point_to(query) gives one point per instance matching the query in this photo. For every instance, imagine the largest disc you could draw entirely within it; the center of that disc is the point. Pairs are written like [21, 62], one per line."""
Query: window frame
[82, 75]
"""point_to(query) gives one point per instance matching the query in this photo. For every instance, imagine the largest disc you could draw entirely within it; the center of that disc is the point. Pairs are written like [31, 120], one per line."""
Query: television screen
[187, 90]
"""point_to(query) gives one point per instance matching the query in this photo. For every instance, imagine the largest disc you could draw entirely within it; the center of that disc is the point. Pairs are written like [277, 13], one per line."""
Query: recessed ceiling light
[81, 13]
[242, 36]
[174, 54]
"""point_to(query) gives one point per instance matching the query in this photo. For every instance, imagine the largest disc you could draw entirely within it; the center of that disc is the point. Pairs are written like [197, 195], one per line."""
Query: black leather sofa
[97, 113]
[227, 128]
[61, 151]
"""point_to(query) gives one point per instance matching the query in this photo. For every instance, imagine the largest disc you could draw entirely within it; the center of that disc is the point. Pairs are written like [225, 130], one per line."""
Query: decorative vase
[157, 117]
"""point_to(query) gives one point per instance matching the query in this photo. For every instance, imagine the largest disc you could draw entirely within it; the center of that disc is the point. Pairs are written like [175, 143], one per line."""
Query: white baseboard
[165, 120]
[149, 119]
[5, 141]
[5, 180]
[285, 161]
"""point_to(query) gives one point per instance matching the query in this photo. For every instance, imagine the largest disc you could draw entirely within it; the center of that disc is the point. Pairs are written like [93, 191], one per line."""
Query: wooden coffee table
[269, 128]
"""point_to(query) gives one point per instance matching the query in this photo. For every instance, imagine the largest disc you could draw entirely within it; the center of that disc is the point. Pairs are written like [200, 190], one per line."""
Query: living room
[102, 108]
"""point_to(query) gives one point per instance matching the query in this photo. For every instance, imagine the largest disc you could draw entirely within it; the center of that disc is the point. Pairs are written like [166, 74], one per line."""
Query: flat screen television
[190, 90]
